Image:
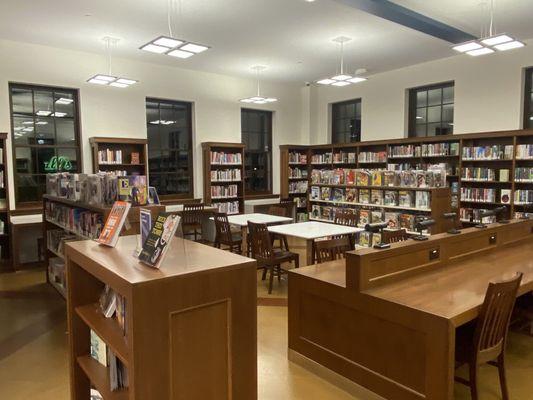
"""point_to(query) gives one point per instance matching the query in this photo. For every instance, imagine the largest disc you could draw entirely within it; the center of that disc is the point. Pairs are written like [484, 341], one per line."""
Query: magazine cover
[133, 189]
[364, 196]
[338, 194]
[351, 195]
[153, 197]
[393, 220]
[376, 217]
[364, 217]
[315, 193]
[391, 198]
[376, 178]
[159, 238]
[377, 197]
[115, 221]
[350, 177]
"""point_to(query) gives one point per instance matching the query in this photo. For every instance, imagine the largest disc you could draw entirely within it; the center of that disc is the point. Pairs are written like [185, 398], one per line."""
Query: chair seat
[281, 254]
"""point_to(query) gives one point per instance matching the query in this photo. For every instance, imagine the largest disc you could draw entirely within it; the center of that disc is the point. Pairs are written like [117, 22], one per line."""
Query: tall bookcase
[515, 183]
[120, 155]
[5, 256]
[223, 171]
[294, 174]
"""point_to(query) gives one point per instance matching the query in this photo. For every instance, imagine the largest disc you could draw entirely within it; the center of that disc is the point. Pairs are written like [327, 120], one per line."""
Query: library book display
[187, 330]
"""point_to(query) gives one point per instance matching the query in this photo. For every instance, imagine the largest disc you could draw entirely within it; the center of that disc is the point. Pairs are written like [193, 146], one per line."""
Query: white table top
[313, 230]
[242, 220]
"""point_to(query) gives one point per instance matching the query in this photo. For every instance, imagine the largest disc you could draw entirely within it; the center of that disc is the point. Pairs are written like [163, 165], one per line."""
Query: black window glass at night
[169, 127]
[431, 110]
[528, 99]
[256, 127]
[346, 122]
[45, 136]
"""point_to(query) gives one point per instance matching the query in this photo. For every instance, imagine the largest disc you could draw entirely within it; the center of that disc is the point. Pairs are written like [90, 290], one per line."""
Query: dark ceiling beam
[411, 19]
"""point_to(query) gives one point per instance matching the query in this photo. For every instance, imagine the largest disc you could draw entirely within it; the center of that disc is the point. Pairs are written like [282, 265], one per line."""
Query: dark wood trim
[260, 196]
[528, 89]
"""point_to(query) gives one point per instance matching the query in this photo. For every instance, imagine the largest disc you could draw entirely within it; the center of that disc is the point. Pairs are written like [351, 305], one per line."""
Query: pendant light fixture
[258, 99]
[490, 43]
[109, 79]
[342, 78]
[170, 46]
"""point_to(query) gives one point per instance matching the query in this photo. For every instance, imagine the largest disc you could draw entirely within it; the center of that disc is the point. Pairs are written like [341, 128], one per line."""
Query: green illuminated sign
[56, 163]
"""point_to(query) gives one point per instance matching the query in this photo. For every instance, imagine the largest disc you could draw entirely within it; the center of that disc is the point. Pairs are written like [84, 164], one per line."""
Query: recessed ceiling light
[357, 79]
[480, 52]
[497, 40]
[464, 47]
[180, 54]
[341, 77]
[168, 42]
[515, 44]
[152, 48]
[194, 48]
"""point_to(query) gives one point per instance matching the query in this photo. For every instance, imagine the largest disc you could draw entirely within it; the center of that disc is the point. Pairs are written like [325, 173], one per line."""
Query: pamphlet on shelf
[153, 197]
[157, 243]
[145, 225]
[115, 222]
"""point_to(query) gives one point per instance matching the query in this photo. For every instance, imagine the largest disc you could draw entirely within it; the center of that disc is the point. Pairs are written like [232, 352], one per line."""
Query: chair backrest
[192, 213]
[398, 235]
[331, 249]
[346, 217]
[289, 205]
[222, 226]
[493, 321]
[278, 211]
[286, 202]
[261, 242]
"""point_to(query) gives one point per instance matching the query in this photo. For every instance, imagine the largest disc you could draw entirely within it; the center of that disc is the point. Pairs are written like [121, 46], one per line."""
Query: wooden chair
[268, 257]
[224, 234]
[280, 212]
[488, 341]
[191, 219]
[331, 249]
[395, 236]
[289, 205]
[347, 218]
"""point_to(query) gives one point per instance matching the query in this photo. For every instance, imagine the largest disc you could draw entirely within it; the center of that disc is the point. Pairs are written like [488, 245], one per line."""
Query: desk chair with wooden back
[347, 218]
[487, 344]
[268, 257]
[289, 205]
[224, 235]
[191, 219]
[331, 249]
[395, 236]
[279, 212]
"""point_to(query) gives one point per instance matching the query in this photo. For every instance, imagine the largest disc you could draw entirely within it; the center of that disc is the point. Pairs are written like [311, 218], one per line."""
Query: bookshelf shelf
[349, 203]
[121, 150]
[99, 377]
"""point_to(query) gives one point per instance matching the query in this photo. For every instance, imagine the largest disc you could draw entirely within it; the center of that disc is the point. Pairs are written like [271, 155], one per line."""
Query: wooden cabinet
[120, 154]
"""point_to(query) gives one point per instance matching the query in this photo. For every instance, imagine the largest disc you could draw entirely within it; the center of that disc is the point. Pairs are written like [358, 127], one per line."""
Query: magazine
[133, 189]
[115, 222]
[159, 238]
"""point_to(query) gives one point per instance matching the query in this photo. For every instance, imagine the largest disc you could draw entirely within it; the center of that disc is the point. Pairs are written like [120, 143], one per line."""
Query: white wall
[107, 111]
[488, 95]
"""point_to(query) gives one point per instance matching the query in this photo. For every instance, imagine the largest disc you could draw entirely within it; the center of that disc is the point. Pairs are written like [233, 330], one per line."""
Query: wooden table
[387, 319]
[208, 229]
[309, 231]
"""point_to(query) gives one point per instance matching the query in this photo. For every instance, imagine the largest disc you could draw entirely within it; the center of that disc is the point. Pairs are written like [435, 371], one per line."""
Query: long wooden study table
[386, 319]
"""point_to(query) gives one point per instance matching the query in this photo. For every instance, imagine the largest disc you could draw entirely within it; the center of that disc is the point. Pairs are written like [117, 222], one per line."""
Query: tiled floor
[33, 351]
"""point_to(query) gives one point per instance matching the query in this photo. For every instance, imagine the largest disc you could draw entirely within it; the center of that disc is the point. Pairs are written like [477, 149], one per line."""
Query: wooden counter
[191, 325]
[389, 325]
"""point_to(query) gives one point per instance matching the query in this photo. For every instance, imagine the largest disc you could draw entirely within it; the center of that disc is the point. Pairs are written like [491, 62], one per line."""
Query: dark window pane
[23, 130]
[256, 128]
[346, 122]
[434, 114]
[421, 115]
[422, 98]
[448, 94]
[43, 102]
[67, 160]
[447, 113]
[65, 131]
[22, 100]
[45, 131]
[30, 187]
[434, 97]
[26, 160]
[434, 129]
[431, 110]
[421, 130]
[47, 160]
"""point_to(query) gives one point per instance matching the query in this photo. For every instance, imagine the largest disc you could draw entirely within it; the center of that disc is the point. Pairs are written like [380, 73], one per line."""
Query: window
[45, 137]
[346, 122]
[169, 126]
[528, 100]
[256, 129]
[431, 110]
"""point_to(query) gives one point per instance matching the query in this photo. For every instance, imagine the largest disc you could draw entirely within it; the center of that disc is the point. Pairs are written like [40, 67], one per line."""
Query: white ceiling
[291, 37]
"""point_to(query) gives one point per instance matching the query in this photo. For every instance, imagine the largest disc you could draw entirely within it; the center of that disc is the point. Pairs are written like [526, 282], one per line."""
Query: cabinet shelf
[99, 377]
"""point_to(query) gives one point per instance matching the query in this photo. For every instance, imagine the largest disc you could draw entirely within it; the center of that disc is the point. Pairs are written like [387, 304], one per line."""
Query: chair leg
[503, 377]
[297, 262]
[285, 242]
[263, 277]
[278, 271]
[473, 380]
[270, 279]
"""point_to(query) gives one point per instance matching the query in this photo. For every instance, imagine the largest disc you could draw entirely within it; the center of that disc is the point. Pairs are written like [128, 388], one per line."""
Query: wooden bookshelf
[5, 237]
[58, 281]
[424, 152]
[218, 364]
[294, 171]
[220, 168]
[127, 146]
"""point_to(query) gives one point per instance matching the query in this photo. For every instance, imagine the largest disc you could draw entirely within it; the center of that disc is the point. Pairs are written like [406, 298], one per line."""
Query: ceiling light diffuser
[326, 81]
[258, 98]
[357, 79]
[180, 54]
[468, 46]
[58, 114]
[494, 40]
[167, 42]
[194, 48]
[480, 52]
[342, 77]
[152, 48]
[515, 44]
[340, 83]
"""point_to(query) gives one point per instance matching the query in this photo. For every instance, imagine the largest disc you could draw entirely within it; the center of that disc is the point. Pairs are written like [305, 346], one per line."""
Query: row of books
[495, 152]
[302, 217]
[395, 198]
[226, 175]
[450, 168]
[343, 157]
[297, 158]
[77, 220]
[228, 207]
[523, 197]
[219, 157]
[108, 156]
[362, 177]
[57, 273]
[523, 215]
[118, 374]
[113, 306]
[300, 202]
[523, 174]
[480, 195]
[524, 151]
[322, 158]
[425, 150]
[297, 173]
[298, 187]
[472, 215]
[118, 172]
[224, 191]
[371, 156]
[98, 189]
[56, 239]
[395, 220]
[484, 174]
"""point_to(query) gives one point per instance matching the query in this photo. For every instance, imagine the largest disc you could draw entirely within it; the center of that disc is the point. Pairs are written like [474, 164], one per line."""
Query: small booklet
[115, 222]
[145, 225]
[161, 234]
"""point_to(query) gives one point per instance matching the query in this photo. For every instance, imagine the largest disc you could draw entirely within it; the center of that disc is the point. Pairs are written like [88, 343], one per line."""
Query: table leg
[244, 236]
[309, 252]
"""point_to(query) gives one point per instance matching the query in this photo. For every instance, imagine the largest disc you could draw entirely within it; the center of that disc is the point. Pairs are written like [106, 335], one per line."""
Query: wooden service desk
[191, 326]
[386, 319]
